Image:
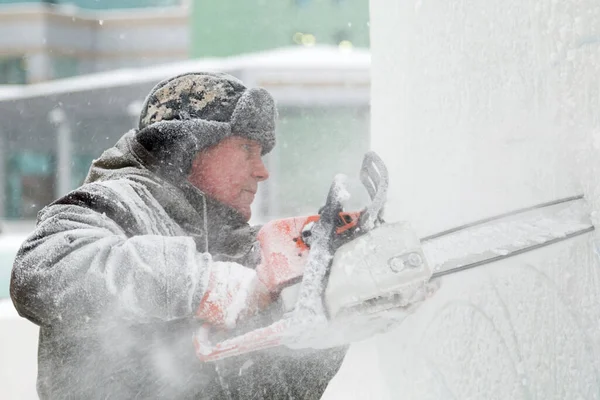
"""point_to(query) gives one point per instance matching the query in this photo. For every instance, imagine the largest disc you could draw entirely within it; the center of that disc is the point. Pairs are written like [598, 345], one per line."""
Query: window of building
[64, 67]
[12, 71]
[30, 183]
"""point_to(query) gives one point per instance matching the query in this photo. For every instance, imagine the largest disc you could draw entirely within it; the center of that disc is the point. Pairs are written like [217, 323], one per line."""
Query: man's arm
[81, 268]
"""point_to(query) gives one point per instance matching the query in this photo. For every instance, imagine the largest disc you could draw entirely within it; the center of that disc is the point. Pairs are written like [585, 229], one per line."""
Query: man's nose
[260, 172]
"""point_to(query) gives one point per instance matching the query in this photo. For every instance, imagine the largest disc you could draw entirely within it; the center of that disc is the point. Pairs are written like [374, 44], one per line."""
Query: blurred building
[229, 27]
[42, 40]
[310, 54]
[46, 40]
[50, 132]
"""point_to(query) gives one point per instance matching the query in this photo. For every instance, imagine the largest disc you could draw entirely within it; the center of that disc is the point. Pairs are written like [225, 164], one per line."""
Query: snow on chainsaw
[339, 276]
[342, 277]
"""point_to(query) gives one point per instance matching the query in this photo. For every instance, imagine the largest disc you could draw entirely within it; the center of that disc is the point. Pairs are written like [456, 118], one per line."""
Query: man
[120, 272]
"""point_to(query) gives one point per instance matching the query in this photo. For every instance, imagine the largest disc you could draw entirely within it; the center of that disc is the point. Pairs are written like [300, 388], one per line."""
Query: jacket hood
[128, 159]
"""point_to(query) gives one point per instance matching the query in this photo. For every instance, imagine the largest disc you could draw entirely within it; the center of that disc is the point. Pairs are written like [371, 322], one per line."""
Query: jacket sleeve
[80, 267]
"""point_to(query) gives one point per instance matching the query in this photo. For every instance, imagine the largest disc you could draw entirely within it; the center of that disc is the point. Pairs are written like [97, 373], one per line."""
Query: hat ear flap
[254, 112]
[254, 117]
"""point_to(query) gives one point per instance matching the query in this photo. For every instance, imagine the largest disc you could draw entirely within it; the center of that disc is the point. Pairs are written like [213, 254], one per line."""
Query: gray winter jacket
[113, 273]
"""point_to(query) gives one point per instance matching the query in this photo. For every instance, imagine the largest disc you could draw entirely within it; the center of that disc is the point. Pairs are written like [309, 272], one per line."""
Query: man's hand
[233, 293]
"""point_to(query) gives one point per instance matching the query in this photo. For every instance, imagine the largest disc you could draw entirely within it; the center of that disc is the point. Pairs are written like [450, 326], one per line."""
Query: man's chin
[247, 215]
[245, 212]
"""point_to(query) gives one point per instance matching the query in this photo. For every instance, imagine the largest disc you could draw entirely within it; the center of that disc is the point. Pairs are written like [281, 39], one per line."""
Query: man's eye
[251, 149]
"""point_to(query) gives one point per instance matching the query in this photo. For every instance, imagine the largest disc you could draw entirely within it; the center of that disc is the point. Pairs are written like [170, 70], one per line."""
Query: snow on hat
[190, 112]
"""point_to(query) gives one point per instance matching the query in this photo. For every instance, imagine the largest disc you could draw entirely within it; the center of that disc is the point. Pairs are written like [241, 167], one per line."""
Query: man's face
[230, 171]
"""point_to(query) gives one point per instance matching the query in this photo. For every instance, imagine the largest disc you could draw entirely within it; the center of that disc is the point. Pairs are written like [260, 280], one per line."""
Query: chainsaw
[343, 276]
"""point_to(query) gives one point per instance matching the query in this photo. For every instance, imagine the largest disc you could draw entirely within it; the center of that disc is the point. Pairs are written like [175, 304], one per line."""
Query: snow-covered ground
[18, 337]
[18, 354]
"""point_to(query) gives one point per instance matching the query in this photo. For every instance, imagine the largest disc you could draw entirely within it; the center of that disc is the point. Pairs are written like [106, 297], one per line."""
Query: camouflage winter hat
[190, 112]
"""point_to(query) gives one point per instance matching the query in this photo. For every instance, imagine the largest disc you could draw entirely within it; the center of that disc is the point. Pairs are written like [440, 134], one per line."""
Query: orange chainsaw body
[284, 248]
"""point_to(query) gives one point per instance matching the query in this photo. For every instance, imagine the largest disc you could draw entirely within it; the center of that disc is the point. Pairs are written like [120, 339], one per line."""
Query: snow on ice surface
[516, 329]
[520, 329]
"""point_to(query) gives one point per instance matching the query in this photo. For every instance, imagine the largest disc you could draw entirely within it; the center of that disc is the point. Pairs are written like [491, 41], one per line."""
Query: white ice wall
[522, 329]
[478, 108]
